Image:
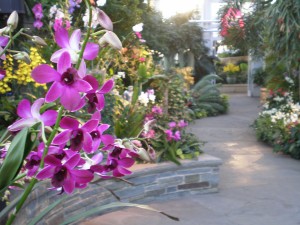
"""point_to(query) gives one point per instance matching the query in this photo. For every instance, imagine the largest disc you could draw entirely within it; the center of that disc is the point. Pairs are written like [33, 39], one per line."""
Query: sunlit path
[257, 186]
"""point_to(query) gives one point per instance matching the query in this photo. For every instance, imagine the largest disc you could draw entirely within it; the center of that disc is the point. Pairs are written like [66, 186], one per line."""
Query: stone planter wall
[150, 182]
[233, 88]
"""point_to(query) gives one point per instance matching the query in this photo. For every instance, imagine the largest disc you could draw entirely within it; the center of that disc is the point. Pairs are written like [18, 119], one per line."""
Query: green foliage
[205, 95]
[18, 150]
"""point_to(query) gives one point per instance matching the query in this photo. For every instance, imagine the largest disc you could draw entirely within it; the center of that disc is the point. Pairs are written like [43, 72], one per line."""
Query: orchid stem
[88, 6]
[52, 135]
[10, 41]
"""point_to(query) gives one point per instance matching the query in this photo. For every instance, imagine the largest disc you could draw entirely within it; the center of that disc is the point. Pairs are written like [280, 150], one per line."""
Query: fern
[206, 96]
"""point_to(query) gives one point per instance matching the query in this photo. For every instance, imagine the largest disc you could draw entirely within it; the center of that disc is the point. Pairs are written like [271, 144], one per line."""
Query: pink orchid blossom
[169, 134]
[177, 136]
[34, 160]
[67, 82]
[95, 96]
[182, 124]
[64, 174]
[157, 110]
[172, 124]
[98, 137]
[30, 116]
[72, 46]
[79, 137]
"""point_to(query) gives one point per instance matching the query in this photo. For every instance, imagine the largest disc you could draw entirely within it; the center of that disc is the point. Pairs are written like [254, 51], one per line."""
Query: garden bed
[149, 182]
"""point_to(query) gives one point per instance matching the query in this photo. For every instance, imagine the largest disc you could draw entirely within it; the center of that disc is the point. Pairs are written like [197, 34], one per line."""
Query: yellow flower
[231, 68]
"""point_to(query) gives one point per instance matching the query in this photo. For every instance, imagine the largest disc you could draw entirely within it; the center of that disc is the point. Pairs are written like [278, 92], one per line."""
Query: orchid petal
[96, 116]
[103, 127]
[69, 123]
[44, 73]
[3, 41]
[116, 173]
[3, 57]
[62, 38]
[91, 51]
[70, 99]
[97, 158]
[55, 91]
[87, 143]
[92, 81]
[82, 86]
[62, 137]
[56, 55]
[107, 86]
[82, 69]
[52, 160]
[90, 125]
[124, 171]
[49, 117]
[20, 124]
[107, 139]
[73, 161]
[80, 105]
[101, 102]
[45, 173]
[64, 62]
[112, 39]
[69, 185]
[23, 109]
[75, 40]
[126, 162]
[82, 176]
[35, 108]
[96, 144]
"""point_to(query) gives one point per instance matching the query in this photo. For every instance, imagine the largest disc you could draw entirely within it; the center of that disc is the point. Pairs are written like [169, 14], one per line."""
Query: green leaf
[14, 158]
[88, 213]
[47, 210]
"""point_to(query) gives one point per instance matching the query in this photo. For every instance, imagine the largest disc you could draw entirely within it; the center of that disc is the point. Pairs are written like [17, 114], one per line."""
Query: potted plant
[259, 78]
[231, 71]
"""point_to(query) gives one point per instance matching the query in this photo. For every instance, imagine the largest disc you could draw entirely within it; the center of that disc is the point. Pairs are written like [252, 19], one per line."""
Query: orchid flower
[182, 124]
[79, 137]
[98, 137]
[72, 46]
[63, 174]
[117, 162]
[31, 116]
[96, 96]
[67, 82]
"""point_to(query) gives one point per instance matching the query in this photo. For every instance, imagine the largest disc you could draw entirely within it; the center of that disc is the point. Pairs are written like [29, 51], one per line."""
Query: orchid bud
[22, 56]
[143, 154]
[104, 20]
[128, 145]
[152, 153]
[112, 39]
[4, 30]
[13, 20]
[38, 40]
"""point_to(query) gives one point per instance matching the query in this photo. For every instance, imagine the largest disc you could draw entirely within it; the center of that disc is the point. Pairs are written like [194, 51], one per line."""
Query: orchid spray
[50, 143]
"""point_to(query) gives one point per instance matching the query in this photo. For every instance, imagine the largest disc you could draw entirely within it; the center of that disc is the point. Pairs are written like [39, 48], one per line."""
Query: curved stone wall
[148, 182]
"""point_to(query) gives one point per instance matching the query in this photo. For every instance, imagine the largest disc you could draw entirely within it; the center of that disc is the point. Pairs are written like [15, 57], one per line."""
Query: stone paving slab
[257, 186]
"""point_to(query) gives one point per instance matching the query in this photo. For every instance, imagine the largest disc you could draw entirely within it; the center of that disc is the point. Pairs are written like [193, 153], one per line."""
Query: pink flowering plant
[169, 139]
[48, 141]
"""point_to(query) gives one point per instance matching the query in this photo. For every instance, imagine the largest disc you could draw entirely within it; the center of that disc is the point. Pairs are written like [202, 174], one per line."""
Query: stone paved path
[257, 186]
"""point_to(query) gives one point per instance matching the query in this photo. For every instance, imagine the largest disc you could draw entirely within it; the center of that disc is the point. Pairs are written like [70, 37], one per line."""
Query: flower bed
[149, 182]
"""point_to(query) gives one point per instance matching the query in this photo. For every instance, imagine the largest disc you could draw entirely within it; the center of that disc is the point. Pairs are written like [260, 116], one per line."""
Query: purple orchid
[63, 174]
[67, 82]
[72, 46]
[177, 135]
[79, 137]
[172, 124]
[98, 137]
[3, 43]
[34, 160]
[182, 124]
[95, 96]
[31, 116]
[117, 162]
[169, 134]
